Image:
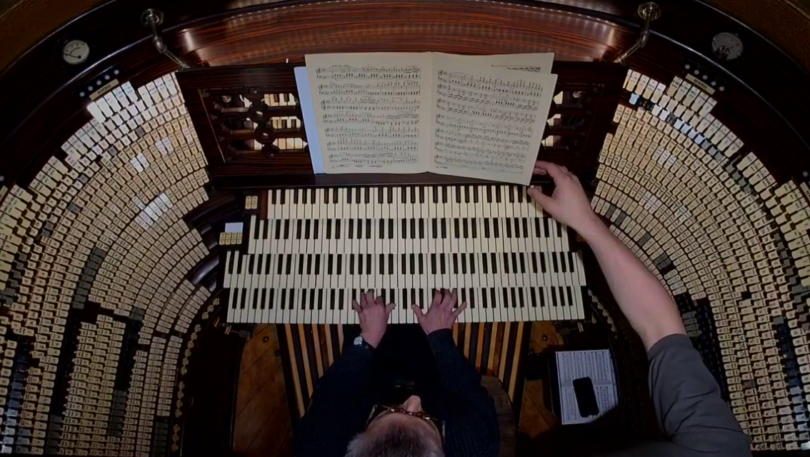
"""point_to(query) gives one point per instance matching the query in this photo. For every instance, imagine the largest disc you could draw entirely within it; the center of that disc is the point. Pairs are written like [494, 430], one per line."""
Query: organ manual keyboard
[318, 248]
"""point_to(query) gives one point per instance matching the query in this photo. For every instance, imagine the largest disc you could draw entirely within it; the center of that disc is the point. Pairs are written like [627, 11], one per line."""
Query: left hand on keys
[373, 315]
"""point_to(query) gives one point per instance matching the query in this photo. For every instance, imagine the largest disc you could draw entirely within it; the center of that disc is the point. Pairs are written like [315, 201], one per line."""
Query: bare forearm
[644, 301]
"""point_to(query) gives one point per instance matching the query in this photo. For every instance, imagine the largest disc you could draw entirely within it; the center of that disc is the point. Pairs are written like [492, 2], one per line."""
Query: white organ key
[261, 285]
[560, 286]
[400, 308]
[520, 248]
[253, 304]
[309, 215]
[341, 215]
[430, 245]
[580, 270]
[480, 314]
[242, 284]
[565, 282]
[232, 305]
[260, 239]
[344, 294]
[226, 280]
[251, 238]
[498, 277]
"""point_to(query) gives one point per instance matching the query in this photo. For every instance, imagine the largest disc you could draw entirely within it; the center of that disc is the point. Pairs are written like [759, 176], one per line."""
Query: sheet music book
[596, 365]
[471, 116]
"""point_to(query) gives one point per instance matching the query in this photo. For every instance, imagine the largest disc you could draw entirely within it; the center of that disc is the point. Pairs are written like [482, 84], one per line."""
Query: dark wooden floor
[263, 422]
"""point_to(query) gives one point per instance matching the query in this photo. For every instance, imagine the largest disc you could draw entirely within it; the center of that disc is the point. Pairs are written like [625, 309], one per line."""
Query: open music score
[471, 116]
[319, 248]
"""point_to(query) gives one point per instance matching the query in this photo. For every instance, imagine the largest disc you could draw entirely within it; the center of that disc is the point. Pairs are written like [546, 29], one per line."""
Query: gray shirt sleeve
[690, 410]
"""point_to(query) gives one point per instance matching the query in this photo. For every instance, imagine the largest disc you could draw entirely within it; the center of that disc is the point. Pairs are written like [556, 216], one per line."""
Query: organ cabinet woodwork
[133, 194]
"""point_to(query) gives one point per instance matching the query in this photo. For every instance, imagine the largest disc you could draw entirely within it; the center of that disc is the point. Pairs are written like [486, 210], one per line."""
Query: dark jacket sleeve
[338, 409]
[472, 424]
[689, 407]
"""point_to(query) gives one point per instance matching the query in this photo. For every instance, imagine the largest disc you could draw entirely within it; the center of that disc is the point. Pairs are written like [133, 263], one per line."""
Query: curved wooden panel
[459, 26]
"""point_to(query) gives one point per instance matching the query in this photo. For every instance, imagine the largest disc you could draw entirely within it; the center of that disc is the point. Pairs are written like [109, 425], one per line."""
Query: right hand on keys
[569, 205]
[442, 313]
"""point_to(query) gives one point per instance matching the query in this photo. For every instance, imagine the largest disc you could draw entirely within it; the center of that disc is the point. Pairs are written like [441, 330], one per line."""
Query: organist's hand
[442, 313]
[569, 204]
[373, 315]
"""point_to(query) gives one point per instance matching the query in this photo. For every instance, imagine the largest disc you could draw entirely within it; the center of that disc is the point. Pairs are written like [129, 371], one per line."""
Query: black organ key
[545, 226]
[291, 304]
[543, 262]
[368, 229]
[349, 195]
[280, 264]
[413, 194]
[433, 263]
[506, 263]
[413, 264]
[484, 268]
[537, 233]
[303, 196]
[329, 261]
[351, 264]
[554, 262]
[368, 195]
[404, 298]
[278, 228]
[463, 297]
[444, 194]
[317, 228]
[337, 229]
[351, 229]
[474, 226]
[563, 265]
[497, 194]
[505, 296]
[390, 192]
[514, 263]
[382, 229]
[464, 226]
[307, 228]
[484, 300]
[404, 262]
[298, 232]
[570, 297]
[442, 264]
[317, 264]
[404, 232]
[436, 196]
[489, 194]
[421, 228]
[382, 264]
[455, 263]
[335, 196]
[283, 298]
[329, 229]
[282, 196]
[421, 264]
[359, 263]
[522, 262]
[493, 298]
[571, 262]
[332, 299]
[435, 225]
[422, 195]
[466, 194]
[391, 267]
[340, 265]
[359, 229]
[295, 196]
[508, 228]
[313, 196]
[272, 298]
[517, 228]
[525, 221]
[472, 263]
[390, 229]
[273, 196]
[475, 194]
[403, 196]
[458, 194]
[486, 228]
[320, 299]
[413, 228]
[463, 264]
[368, 264]
[493, 263]
[542, 297]
[267, 264]
[554, 296]
[533, 296]
[511, 194]
[521, 299]
[444, 229]
[289, 264]
[309, 264]
[287, 229]
[496, 228]
[341, 299]
[301, 264]
[533, 256]
[519, 193]
[456, 231]
[559, 229]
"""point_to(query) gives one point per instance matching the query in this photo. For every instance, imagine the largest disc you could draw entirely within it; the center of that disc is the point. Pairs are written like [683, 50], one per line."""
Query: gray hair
[393, 441]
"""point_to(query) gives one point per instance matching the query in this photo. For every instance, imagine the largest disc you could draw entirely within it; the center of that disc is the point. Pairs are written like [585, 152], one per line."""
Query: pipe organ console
[150, 216]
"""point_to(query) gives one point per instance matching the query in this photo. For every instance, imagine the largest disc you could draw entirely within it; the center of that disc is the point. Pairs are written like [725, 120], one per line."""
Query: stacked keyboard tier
[95, 301]
[318, 249]
[728, 241]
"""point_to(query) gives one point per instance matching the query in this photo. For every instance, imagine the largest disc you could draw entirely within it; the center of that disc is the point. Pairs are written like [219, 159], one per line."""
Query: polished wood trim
[504, 349]
[294, 368]
[515, 359]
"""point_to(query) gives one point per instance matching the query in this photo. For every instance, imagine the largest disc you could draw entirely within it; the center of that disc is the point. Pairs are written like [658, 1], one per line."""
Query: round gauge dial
[727, 46]
[75, 52]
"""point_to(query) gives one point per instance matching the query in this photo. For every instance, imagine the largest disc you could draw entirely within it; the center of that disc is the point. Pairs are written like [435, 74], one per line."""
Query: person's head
[397, 434]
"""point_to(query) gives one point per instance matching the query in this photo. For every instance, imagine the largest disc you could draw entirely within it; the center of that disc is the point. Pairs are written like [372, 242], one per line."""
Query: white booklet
[471, 116]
